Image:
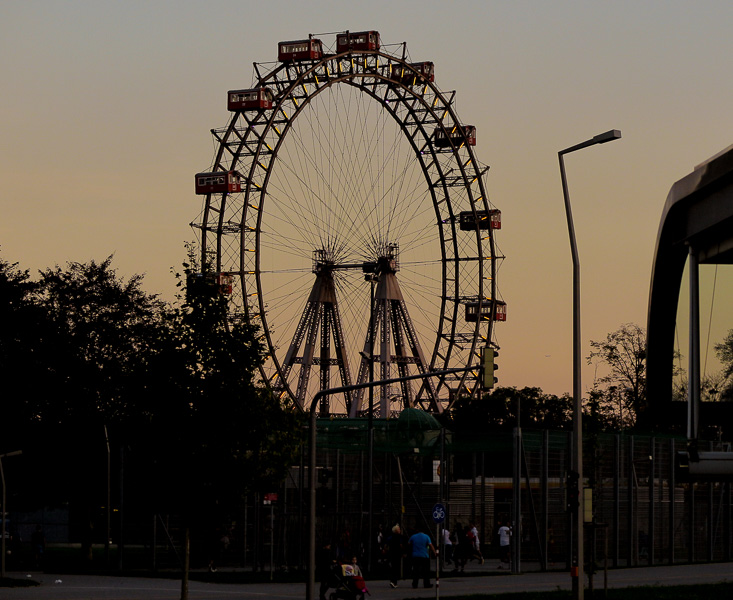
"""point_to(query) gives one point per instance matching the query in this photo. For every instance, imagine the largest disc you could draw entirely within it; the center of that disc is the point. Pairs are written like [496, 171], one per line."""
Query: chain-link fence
[641, 513]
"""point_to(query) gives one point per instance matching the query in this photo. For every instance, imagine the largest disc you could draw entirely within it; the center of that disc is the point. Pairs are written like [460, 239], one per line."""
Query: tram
[472, 311]
[218, 182]
[459, 135]
[310, 49]
[425, 72]
[362, 40]
[486, 219]
[254, 99]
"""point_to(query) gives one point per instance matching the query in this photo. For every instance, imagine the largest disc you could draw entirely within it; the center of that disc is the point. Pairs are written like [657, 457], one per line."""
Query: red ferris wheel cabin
[459, 135]
[310, 49]
[361, 40]
[255, 99]
[218, 182]
[425, 72]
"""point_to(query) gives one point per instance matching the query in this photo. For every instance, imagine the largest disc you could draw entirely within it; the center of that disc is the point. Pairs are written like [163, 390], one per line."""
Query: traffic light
[488, 366]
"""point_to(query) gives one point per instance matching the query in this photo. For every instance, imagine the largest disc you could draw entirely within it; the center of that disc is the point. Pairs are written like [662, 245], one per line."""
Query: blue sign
[438, 513]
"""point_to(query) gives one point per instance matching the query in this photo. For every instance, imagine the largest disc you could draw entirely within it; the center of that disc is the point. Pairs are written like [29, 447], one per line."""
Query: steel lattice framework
[343, 166]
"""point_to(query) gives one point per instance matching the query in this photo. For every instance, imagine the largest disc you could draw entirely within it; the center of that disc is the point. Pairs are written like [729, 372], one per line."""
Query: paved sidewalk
[92, 587]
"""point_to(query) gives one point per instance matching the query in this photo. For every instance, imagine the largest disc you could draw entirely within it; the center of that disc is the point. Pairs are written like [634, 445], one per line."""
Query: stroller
[350, 586]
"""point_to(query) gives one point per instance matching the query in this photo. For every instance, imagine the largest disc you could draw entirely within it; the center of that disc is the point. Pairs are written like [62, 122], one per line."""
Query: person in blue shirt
[420, 548]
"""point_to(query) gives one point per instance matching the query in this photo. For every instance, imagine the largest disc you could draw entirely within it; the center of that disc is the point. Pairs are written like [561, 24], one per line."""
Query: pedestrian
[505, 538]
[477, 545]
[462, 551]
[420, 547]
[325, 564]
[394, 548]
[378, 550]
[38, 545]
[469, 549]
[344, 551]
[354, 578]
[551, 546]
[447, 545]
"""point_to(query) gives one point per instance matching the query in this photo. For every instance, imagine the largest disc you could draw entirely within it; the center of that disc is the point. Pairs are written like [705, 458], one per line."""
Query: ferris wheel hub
[296, 181]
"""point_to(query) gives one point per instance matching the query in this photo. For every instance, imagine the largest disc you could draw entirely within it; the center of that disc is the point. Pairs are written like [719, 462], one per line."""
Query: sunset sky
[107, 108]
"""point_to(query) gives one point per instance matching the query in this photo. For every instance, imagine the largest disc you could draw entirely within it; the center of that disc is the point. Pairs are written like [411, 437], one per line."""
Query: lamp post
[310, 577]
[576, 568]
[372, 279]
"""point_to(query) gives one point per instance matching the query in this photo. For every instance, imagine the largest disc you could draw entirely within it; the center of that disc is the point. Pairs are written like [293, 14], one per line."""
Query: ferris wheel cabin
[460, 134]
[472, 311]
[218, 182]
[362, 40]
[486, 219]
[425, 72]
[210, 284]
[255, 99]
[310, 49]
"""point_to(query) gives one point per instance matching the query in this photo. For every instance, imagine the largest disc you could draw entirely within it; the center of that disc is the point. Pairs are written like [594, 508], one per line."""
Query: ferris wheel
[345, 214]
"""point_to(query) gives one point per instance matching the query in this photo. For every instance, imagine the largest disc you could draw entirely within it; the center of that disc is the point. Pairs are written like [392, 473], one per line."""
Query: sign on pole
[438, 518]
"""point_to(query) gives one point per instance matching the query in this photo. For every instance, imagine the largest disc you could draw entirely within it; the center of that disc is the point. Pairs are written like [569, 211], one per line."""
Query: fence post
[691, 523]
[616, 497]
[630, 503]
[516, 503]
[726, 520]
[650, 536]
[545, 496]
[711, 516]
[672, 499]
[483, 497]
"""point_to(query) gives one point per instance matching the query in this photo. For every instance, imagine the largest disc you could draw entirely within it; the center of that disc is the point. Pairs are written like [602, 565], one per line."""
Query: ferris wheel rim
[308, 70]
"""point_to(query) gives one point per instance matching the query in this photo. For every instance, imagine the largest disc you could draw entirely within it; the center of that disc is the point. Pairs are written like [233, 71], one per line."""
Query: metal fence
[641, 514]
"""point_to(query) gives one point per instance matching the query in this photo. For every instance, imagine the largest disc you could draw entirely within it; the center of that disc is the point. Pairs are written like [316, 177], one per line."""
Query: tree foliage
[498, 410]
[724, 386]
[98, 370]
[218, 427]
[623, 355]
[22, 349]
[107, 326]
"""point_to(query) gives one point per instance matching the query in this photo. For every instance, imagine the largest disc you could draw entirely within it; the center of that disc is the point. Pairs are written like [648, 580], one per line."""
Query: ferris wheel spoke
[351, 209]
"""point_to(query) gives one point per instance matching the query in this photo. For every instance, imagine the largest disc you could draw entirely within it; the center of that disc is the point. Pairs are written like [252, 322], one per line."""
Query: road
[93, 587]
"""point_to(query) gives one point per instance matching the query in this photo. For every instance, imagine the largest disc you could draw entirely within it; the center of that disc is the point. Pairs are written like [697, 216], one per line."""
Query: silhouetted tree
[498, 410]
[26, 348]
[214, 434]
[623, 354]
[723, 388]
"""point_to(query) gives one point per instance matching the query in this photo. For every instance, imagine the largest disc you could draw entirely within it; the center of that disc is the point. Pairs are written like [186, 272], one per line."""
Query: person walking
[505, 538]
[38, 544]
[395, 550]
[447, 545]
[325, 564]
[461, 552]
[476, 544]
[420, 547]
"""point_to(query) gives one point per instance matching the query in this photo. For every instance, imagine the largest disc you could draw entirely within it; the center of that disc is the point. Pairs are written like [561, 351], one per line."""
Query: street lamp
[372, 278]
[313, 438]
[576, 567]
